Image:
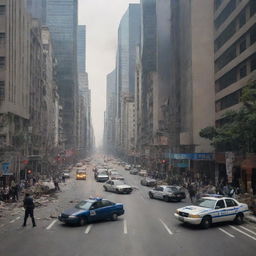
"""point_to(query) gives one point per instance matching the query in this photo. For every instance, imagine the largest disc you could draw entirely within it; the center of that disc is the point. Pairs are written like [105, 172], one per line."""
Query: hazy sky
[101, 18]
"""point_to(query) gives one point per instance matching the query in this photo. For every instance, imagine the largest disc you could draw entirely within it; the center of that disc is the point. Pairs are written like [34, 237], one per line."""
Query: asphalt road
[148, 228]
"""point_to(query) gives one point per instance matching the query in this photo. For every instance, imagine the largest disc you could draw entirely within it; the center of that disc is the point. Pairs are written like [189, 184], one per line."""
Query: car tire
[206, 222]
[114, 216]
[105, 188]
[82, 221]
[166, 198]
[239, 219]
[151, 195]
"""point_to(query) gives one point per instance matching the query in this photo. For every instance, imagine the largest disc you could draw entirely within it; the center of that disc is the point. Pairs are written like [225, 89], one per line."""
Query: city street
[148, 227]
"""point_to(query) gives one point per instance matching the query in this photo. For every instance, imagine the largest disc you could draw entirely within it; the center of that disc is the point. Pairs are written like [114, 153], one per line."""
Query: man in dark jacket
[29, 209]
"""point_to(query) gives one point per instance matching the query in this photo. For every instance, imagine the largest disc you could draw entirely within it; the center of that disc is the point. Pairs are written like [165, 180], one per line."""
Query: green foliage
[239, 131]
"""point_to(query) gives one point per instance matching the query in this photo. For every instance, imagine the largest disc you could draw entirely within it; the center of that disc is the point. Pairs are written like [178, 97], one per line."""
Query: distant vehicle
[90, 210]
[127, 167]
[79, 165]
[114, 175]
[148, 182]
[138, 166]
[167, 193]
[66, 174]
[134, 171]
[210, 210]
[143, 173]
[117, 186]
[102, 175]
[81, 174]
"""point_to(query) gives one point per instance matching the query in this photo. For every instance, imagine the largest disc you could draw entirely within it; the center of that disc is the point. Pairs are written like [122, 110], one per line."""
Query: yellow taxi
[81, 174]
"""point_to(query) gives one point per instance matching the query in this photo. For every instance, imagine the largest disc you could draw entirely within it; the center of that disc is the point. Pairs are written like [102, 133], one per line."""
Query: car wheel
[82, 221]
[114, 217]
[239, 219]
[206, 222]
[105, 188]
[151, 195]
[166, 199]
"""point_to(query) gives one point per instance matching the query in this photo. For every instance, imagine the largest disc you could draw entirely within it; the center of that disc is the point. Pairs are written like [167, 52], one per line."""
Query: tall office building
[61, 17]
[81, 48]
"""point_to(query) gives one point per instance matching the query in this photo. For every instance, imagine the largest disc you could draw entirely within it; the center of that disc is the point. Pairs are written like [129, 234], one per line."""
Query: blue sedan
[93, 209]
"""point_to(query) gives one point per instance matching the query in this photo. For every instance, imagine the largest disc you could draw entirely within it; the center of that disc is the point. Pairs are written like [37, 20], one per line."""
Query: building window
[2, 9]
[228, 101]
[242, 45]
[252, 7]
[2, 90]
[242, 71]
[2, 62]
[242, 19]
[217, 4]
[253, 35]
[225, 13]
[226, 57]
[253, 63]
[226, 80]
[2, 39]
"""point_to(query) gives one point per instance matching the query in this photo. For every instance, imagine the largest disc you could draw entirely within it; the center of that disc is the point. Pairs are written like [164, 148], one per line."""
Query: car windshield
[84, 205]
[119, 182]
[206, 203]
[103, 173]
[172, 189]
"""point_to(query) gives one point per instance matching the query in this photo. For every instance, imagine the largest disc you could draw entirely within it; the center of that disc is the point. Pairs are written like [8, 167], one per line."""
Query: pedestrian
[63, 178]
[191, 191]
[29, 206]
[56, 184]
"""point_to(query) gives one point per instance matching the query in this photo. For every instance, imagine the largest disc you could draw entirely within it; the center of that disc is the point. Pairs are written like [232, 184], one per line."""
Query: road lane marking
[166, 227]
[50, 226]
[243, 232]
[248, 230]
[125, 227]
[88, 229]
[227, 233]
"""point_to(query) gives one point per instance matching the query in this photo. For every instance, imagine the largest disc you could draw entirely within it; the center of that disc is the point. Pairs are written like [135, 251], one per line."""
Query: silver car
[117, 186]
[167, 193]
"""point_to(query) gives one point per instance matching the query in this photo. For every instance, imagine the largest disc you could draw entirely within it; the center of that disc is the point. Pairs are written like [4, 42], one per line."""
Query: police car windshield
[84, 205]
[206, 203]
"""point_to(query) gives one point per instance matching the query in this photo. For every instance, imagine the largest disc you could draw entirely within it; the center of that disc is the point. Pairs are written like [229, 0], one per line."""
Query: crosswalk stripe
[88, 228]
[125, 227]
[248, 230]
[227, 233]
[50, 226]
[243, 232]
[166, 227]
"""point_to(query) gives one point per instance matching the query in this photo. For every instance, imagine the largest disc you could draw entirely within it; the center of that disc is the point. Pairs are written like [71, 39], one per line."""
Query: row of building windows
[236, 24]
[2, 9]
[237, 73]
[2, 90]
[236, 49]
[228, 101]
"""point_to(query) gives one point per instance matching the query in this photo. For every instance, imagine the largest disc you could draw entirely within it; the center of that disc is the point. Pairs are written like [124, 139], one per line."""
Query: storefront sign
[6, 168]
[192, 156]
[230, 157]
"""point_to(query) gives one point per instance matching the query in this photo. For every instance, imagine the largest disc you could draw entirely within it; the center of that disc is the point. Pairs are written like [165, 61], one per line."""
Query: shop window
[225, 13]
[2, 90]
[2, 9]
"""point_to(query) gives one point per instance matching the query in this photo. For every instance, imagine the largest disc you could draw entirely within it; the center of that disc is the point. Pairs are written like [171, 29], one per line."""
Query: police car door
[220, 211]
[231, 209]
[96, 211]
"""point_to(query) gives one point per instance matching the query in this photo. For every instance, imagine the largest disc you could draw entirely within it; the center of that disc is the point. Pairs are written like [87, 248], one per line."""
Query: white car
[210, 210]
[127, 167]
[117, 186]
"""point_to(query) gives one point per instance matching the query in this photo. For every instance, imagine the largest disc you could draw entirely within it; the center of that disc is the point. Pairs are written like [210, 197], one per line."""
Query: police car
[212, 209]
[90, 210]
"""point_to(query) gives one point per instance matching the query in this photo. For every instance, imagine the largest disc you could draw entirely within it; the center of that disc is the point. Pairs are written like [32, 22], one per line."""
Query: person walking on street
[29, 209]
[192, 192]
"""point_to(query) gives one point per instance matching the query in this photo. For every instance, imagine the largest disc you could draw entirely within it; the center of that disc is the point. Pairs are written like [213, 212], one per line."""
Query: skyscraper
[61, 17]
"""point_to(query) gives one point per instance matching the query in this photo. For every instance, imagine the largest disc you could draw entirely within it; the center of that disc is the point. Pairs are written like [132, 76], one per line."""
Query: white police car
[210, 210]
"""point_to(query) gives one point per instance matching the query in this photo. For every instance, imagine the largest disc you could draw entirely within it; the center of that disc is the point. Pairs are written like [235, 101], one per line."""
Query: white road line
[125, 227]
[248, 230]
[243, 232]
[227, 233]
[50, 226]
[88, 229]
[166, 227]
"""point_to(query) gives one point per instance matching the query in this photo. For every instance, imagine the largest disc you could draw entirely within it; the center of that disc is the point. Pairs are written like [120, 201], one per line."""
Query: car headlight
[194, 216]
[72, 217]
